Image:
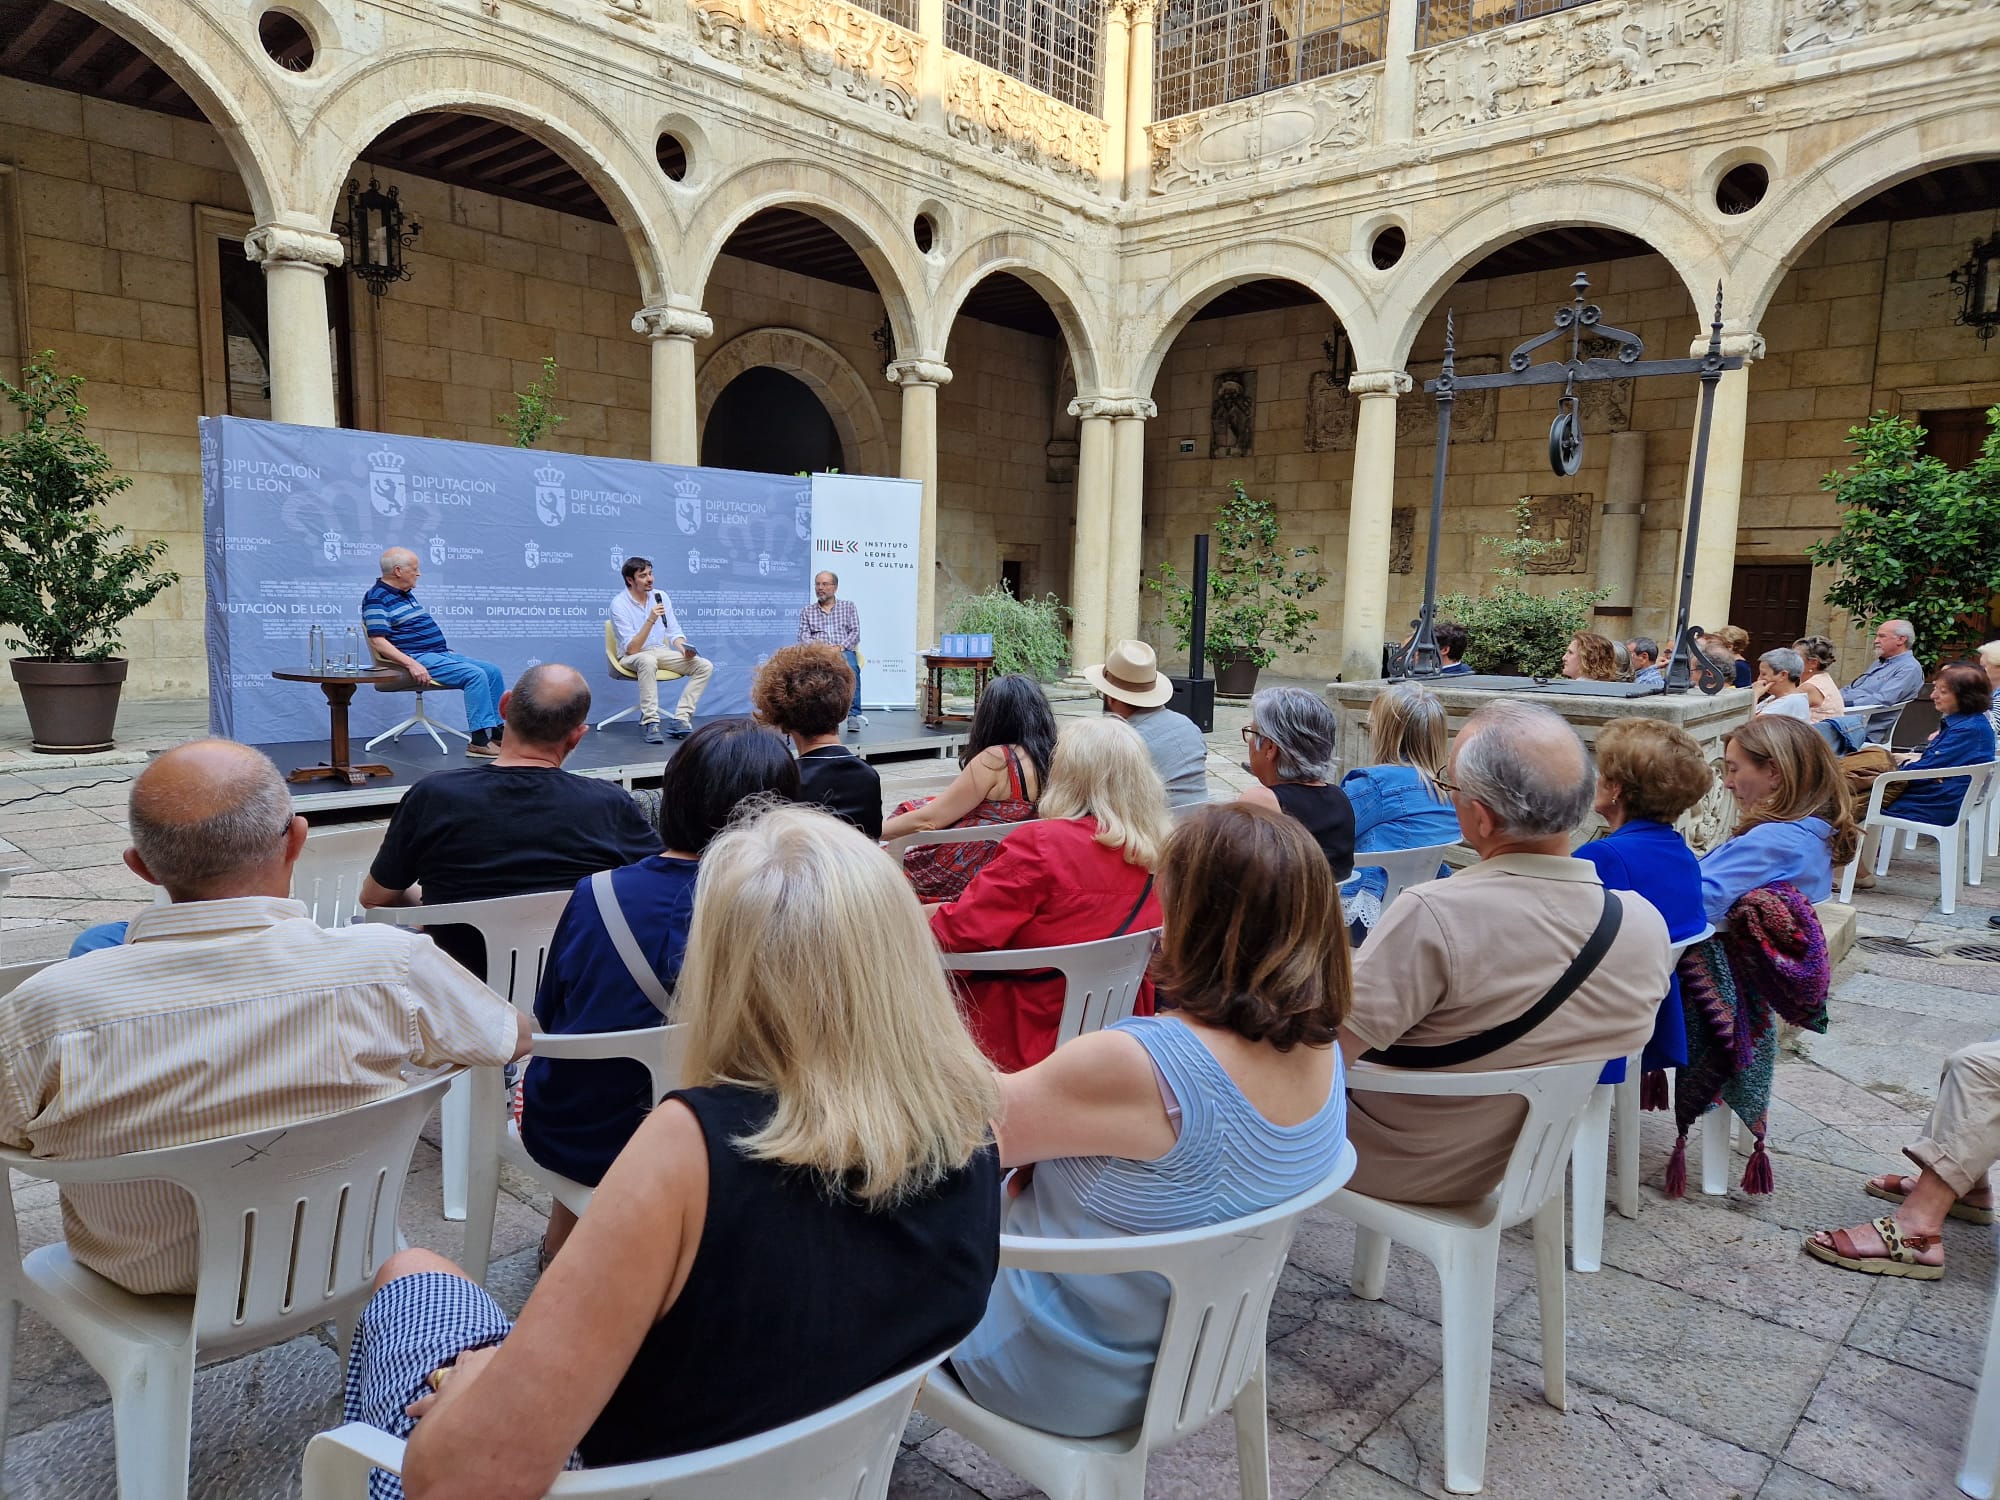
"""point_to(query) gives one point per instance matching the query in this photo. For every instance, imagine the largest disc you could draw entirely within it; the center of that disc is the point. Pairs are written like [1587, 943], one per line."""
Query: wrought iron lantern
[1339, 358]
[377, 234]
[1977, 283]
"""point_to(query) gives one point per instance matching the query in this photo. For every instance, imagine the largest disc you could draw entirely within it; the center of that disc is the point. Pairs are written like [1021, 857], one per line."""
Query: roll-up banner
[864, 531]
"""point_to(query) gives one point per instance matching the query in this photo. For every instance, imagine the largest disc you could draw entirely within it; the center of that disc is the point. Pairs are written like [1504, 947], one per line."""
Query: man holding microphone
[832, 621]
[651, 644]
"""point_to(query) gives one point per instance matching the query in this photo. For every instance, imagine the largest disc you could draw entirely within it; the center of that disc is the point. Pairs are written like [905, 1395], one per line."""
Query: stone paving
[1710, 1358]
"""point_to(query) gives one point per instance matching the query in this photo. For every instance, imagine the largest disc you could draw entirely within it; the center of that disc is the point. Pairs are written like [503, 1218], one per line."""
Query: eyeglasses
[1253, 737]
[1446, 784]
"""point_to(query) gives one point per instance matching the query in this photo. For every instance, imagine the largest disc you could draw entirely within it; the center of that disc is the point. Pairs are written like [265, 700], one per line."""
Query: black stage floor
[615, 752]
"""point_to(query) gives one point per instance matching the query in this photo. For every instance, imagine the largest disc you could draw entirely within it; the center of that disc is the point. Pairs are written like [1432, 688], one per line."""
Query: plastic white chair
[294, 1222]
[11, 975]
[1979, 1470]
[845, 1452]
[1589, 1162]
[1100, 979]
[1221, 1278]
[1463, 1239]
[1895, 711]
[992, 833]
[517, 931]
[330, 870]
[1403, 867]
[1955, 839]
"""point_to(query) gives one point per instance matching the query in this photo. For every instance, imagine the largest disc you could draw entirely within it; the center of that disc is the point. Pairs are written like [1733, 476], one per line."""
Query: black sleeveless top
[796, 1301]
[1328, 816]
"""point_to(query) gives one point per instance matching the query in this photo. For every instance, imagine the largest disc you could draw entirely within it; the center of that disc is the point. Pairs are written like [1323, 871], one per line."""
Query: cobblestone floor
[1710, 1358]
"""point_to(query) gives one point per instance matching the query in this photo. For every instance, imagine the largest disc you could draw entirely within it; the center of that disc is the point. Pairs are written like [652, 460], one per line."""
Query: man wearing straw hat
[1133, 689]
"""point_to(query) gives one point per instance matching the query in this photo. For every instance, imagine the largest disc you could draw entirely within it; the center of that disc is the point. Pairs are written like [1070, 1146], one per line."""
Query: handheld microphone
[658, 600]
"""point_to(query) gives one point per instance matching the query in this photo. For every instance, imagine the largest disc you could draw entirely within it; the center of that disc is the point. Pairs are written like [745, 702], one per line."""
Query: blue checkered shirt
[839, 626]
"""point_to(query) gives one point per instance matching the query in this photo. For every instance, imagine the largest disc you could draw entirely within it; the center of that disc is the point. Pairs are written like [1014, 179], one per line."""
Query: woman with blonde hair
[1590, 658]
[1082, 871]
[749, 1257]
[1797, 825]
[1398, 802]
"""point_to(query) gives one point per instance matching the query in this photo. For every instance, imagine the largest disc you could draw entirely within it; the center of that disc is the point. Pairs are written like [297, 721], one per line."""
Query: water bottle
[316, 649]
[353, 649]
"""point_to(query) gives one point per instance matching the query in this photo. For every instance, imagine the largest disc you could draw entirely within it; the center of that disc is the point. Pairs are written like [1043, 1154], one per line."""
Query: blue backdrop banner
[520, 553]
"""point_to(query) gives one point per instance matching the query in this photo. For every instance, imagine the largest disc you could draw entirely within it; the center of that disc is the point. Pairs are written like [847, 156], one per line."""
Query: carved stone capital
[672, 323]
[1747, 346]
[274, 244]
[1137, 12]
[1379, 383]
[1114, 408]
[907, 372]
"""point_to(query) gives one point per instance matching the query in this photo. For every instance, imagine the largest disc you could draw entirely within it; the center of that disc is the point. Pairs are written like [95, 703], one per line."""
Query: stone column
[1722, 493]
[920, 379]
[1364, 610]
[676, 420]
[1618, 540]
[1113, 65]
[1397, 119]
[1139, 100]
[295, 263]
[1090, 566]
[1128, 515]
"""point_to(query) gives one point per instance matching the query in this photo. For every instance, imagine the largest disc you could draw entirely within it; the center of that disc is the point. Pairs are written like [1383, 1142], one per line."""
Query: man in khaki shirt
[1453, 958]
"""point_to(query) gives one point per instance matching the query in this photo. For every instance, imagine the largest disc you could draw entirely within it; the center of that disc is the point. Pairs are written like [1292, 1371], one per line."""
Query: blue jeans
[103, 935]
[854, 666]
[481, 681]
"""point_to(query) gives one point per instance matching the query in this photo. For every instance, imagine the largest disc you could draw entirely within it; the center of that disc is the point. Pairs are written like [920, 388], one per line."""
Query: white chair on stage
[294, 1223]
[992, 833]
[1221, 1278]
[845, 1452]
[1960, 850]
[619, 673]
[1462, 1240]
[1979, 1470]
[1100, 979]
[405, 683]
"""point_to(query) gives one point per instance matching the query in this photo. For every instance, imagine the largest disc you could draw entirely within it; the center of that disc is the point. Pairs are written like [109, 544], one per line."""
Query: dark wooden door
[1770, 600]
[1954, 436]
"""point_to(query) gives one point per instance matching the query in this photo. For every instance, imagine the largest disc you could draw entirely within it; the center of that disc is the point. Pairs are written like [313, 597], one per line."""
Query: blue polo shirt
[395, 613]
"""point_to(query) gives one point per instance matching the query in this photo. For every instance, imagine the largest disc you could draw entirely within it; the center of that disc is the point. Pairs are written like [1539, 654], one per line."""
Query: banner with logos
[864, 531]
[520, 554]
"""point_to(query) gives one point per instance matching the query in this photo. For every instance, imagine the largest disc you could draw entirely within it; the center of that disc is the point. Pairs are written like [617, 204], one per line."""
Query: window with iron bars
[1049, 45]
[1451, 20]
[902, 12]
[1208, 52]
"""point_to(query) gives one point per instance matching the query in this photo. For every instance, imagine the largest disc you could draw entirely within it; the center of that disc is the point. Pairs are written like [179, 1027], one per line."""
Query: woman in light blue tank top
[1229, 1104]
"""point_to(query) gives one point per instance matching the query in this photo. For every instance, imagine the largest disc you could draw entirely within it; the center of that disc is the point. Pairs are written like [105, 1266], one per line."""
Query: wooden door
[1770, 601]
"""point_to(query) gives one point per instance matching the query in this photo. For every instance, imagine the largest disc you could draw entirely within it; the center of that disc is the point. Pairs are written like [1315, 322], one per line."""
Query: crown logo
[548, 474]
[687, 489]
[382, 459]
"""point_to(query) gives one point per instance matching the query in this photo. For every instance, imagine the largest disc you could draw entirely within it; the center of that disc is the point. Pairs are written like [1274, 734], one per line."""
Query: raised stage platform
[616, 753]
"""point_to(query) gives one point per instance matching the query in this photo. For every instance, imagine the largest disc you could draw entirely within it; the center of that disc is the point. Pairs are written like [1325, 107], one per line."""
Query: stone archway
[849, 399]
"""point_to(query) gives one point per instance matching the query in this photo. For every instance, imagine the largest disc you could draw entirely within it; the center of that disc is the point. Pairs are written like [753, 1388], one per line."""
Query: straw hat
[1132, 675]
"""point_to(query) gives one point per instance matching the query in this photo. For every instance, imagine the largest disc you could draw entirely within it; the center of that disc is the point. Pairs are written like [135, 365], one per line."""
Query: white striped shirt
[215, 1018]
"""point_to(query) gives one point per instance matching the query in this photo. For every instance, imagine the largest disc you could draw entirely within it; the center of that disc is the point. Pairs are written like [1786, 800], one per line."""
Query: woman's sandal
[1971, 1213]
[1840, 1250]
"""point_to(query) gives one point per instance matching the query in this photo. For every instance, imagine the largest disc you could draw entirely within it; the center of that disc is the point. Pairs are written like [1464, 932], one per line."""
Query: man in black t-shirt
[518, 824]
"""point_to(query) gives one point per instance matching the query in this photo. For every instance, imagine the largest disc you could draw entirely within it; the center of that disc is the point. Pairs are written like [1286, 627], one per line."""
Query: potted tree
[66, 580]
[1255, 594]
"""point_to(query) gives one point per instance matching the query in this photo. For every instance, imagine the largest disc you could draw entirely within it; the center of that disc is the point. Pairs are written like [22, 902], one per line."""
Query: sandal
[1971, 1213]
[1837, 1248]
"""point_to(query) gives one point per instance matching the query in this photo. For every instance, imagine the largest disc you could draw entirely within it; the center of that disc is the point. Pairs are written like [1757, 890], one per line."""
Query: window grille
[1049, 45]
[1211, 51]
[902, 12]
[1450, 20]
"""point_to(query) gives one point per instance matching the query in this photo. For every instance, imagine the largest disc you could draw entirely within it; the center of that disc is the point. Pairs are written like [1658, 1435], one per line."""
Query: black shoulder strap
[1467, 1049]
[1133, 915]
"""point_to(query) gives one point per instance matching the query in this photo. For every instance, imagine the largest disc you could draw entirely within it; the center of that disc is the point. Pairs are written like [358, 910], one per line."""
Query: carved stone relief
[1568, 57]
[818, 42]
[1564, 519]
[1331, 410]
[1403, 539]
[1268, 133]
[1828, 23]
[1232, 414]
[998, 113]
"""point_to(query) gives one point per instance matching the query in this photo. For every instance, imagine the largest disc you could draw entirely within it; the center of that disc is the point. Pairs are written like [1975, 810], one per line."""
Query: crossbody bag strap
[628, 945]
[1470, 1048]
[1137, 906]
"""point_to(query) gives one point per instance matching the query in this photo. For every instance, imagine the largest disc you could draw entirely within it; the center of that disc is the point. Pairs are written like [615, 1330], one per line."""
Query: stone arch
[1054, 277]
[843, 203]
[501, 87]
[848, 398]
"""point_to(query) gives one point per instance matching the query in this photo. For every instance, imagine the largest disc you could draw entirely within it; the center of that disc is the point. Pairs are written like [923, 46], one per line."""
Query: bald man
[227, 1011]
[402, 631]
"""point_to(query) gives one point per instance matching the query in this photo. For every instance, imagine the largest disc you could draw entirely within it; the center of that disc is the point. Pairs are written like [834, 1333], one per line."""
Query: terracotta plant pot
[1235, 679]
[72, 705]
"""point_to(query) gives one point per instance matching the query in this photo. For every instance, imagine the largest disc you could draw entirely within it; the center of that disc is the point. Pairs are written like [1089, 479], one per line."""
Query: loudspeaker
[1195, 697]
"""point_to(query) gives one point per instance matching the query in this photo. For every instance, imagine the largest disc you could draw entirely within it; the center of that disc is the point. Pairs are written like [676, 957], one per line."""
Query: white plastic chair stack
[1590, 1160]
[1211, 1359]
[330, 870]
[992, 833]
[1959, 851]
[294, 1222]
[1463, 1240]
[1100, 980]
[1979, 1470]
[843, 1453]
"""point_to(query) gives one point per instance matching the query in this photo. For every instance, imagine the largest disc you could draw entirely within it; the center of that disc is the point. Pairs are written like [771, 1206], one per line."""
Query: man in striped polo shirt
[402, 631]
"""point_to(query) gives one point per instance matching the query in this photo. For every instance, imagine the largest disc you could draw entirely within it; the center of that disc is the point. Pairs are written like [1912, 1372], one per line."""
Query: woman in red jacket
[1083, 871]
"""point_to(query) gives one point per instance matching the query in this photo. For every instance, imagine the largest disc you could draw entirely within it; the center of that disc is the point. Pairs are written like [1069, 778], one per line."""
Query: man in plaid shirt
[831, 621]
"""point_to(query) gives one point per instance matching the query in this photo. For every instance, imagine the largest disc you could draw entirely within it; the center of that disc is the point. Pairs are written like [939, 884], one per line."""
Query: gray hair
[393, 558]
[1644, 645]
[547, 702]
[1300, 727]
[1904, 629]
[1785, 660]
[1527, 767]
[192, 855]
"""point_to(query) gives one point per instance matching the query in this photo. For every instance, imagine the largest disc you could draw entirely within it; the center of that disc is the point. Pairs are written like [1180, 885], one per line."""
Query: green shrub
[1254, 608]
[1027, 633]
[1510, 628]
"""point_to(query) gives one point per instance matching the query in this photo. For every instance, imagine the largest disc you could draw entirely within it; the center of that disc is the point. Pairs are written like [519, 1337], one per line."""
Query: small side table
[936, 667]
[339, 689]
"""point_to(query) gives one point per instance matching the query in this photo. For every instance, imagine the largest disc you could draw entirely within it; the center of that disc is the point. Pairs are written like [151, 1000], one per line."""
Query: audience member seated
[577, 1116]
[521, 824]
[1132, 688]
[1002, 768]
[1291, 735]
[1962, 696]
[1398, 802]
[1823, 697]
[752, 1255]
[1893, 678]
[1455, 959]
[1736, 641]
[1780, 687]
[1644, 654]
[1081, 872]
[1590, 658]
[1797, 824]
[1230, 1104]
[1451, 639]
[795, 692]
[224, 1012]
[1648, 774]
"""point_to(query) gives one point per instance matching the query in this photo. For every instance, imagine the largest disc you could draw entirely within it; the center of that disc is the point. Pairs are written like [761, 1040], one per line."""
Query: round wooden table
[937, 666]
[339, 689]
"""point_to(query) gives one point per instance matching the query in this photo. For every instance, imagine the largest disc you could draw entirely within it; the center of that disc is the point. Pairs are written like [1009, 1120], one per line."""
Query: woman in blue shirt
[1964, 738]
[1797, 823]
[1397, 802]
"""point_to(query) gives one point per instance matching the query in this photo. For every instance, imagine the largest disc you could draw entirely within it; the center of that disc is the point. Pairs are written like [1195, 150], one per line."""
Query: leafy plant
[1254, 592]
[1918, 540]
[534, 415]
[66, 582]
[1510, 628]
[1027, 633]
